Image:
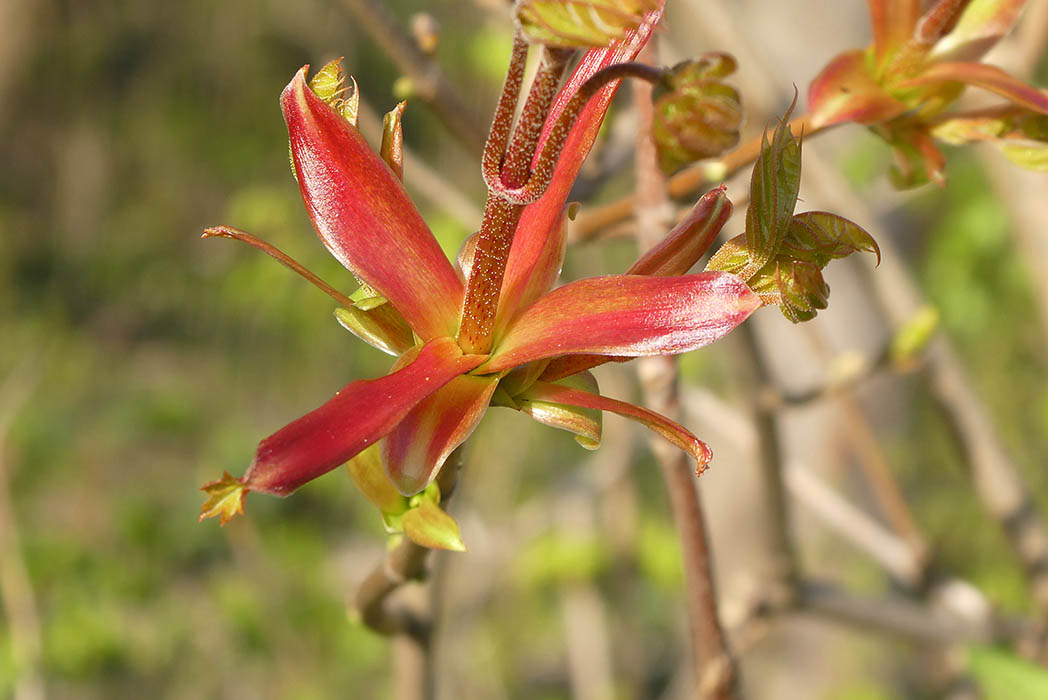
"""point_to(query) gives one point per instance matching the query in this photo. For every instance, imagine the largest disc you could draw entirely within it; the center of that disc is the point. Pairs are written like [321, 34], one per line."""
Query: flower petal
[689, 240]
[986, 77]
[416, 449]
[672, 431]
[626, 315]
[846, 92]
[585, 423]
[981, 26]
[364, 216]
[359, 415]
[535, 241]
[893, 22]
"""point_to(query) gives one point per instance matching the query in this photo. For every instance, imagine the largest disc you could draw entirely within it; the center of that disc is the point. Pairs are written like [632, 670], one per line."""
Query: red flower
[435, 394]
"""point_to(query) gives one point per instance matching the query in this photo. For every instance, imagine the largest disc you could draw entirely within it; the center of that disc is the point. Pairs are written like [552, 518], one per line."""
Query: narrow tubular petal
[893, 22]
[626, 315]
[986, 77]
[672, 431]
[364, 216]
[535, 243]
[416, 449]
[687, 241]
[844, 91]
[358, 416]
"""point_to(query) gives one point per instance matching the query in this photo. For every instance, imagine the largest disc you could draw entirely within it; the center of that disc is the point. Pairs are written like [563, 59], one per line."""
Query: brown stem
[411, 628]
[784, 568]
[714, 664]
[684, 183]
[429, 80]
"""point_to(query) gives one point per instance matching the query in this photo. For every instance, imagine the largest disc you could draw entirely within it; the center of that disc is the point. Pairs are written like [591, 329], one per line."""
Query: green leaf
[392, 149]
[329, 84]
[1032, 157]
[734, 257]
[225, 499]
[580, 23]
[696, 116]
[773, 192]
[1004, 676]
[429, 526]
[369, 475]
[819, 236]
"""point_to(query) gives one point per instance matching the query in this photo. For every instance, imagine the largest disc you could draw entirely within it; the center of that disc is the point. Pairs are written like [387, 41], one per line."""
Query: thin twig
[784, 566]
[715, 667]
[16, 588]
[428, 79]
[685, 183]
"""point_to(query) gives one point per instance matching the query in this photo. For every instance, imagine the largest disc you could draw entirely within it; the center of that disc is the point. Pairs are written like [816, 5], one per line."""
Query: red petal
[359, 415]
[674, 432]
[364, 216]
[893, 23]
[688, 241]
[845, 91]
[626, 315]
[535, 240]
[986, 77]
[416, 449]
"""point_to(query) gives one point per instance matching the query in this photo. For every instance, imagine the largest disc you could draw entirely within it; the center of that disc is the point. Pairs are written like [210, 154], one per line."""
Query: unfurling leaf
[696, 115]
[329, 84]
[428, 525]
[225, 498]
[580, 23]
[392, 149]
[369, 475]
[773, 193]
[819, 236]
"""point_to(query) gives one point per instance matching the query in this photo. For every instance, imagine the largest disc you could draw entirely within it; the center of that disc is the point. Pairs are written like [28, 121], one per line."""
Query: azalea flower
[917, 67]
[517, 342]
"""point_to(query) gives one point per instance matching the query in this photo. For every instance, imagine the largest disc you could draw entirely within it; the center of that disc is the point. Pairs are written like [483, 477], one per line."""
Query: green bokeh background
[148, 361]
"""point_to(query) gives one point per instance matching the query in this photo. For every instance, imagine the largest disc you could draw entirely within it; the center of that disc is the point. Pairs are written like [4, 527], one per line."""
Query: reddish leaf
[358, 416]
[364, 216]
[773, 191]
[668, 429]
[986, 77]
[626, 315]
[416, 449]
[981, 26]
[846, 92]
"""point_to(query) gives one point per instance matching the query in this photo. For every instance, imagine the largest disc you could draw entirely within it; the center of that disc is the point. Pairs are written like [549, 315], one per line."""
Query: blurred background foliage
[151, 361]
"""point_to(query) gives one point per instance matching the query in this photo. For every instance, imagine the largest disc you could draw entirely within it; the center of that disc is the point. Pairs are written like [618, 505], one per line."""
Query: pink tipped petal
[981, 26]
[986, 77]
[364, 216]
[893, 23]
[674, 432]
[687, 241]
[626, 315]
[542, 220]
[846, 92]
[416, 449]
[358, 416]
